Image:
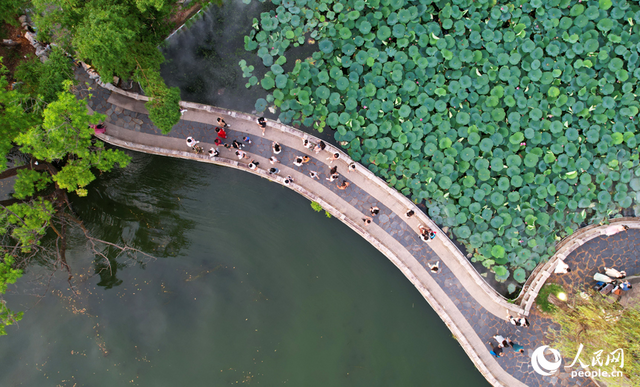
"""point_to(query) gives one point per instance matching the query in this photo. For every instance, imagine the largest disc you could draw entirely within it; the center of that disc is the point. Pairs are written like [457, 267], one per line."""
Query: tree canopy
[118, 38]
[54, 134]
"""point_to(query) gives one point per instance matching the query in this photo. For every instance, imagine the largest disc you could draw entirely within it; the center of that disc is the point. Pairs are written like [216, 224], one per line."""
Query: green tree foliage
[27, 222]
[598, 324]
[8, 275]
[143, 5]
[104, 38]
[514, 121]
[65, 135]
[9, 9]
[163, 106]
[118, 38]
[60, 139]
[13, 117]
[45, 79]
[29, 182]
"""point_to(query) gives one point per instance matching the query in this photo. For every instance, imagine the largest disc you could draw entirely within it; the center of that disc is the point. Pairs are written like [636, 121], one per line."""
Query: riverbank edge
[458, 333]
[453, 250]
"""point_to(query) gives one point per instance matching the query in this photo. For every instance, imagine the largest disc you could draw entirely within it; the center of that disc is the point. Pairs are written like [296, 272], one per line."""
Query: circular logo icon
[543, 366]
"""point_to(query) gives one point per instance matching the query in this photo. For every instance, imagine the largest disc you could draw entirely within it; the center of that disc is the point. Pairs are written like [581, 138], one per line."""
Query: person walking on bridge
[191, 142]
[222, 123]
[262, 123]
[221, 133]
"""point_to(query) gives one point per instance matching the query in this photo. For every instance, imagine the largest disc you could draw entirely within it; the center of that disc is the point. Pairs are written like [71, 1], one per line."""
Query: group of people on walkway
[426, 234]
[374, 210]
[221, 137]
[519, 321]
[611, 281]
[498, 350]
[222, 140]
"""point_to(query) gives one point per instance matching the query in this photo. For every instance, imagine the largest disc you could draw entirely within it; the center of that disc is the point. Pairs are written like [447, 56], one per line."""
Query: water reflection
[140, 207]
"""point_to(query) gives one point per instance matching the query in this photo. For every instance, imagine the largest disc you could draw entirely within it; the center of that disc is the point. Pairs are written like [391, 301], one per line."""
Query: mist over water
[202, 60]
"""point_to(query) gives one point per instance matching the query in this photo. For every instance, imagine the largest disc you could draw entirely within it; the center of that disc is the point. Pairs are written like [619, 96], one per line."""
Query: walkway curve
[399, 256]
[469, 312]
[497, 303]
[432, 290]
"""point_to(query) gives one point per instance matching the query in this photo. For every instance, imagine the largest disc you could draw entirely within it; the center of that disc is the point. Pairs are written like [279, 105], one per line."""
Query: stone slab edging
[564, 249]
[465, 342]
[450, 246]
[408, 204]
[443, 247]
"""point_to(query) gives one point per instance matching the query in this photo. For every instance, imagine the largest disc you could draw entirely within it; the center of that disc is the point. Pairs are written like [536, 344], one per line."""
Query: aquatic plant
[543, 297]
[514, 121]
[316, 206]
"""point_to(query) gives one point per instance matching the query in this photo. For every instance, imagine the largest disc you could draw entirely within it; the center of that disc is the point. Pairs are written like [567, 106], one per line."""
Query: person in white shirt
[191, 142]
[562, 268]
[613, 273]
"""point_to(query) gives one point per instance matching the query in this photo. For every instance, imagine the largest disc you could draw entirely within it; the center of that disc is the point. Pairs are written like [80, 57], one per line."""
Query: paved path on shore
[620, 251]
[471, 314]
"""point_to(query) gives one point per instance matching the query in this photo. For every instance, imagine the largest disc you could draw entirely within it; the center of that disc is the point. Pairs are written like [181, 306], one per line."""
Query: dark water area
[202, 60]
[248, 285]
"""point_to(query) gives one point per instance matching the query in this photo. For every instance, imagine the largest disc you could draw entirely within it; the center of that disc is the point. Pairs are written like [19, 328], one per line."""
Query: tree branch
[14, 171]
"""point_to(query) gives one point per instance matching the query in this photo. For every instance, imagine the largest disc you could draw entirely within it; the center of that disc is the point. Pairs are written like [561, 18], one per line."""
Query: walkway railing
[391, 253]
[563, 249]
[408, 204]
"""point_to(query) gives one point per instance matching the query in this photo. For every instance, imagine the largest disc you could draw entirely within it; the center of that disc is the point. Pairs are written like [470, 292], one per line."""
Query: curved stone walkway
[467, 309]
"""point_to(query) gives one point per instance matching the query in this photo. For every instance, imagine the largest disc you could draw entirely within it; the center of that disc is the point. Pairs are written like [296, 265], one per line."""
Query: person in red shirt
[221, 133]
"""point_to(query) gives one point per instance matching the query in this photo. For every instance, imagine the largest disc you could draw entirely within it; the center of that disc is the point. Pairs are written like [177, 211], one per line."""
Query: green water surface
[250, 286]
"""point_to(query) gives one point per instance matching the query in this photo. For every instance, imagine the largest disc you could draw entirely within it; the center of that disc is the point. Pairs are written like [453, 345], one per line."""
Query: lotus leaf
[267, 83]
[530, 160]
[332, 120]
[486, 145]
[501, 272]
[520, 275]
[444, 182]
[351, 104]
[261, 104]
[404, 111]
[384, 32]
[484, 174]
[370, 143]
[323, 92]
[342, 83]
[334, 99]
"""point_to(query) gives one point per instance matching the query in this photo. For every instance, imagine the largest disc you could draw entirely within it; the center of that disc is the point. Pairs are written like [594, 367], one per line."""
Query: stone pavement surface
[451, 292]
[620, 251]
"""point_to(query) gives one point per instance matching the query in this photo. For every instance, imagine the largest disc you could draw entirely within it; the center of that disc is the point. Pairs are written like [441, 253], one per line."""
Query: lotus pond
[513, 122]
